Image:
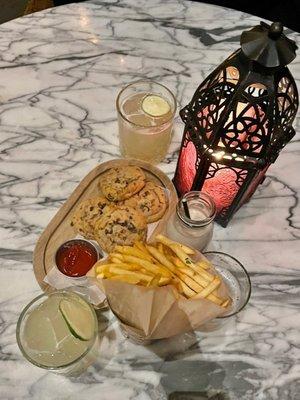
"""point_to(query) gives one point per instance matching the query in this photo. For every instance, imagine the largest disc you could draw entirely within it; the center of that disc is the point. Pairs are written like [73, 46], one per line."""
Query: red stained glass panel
[186, 168]
[222, 183]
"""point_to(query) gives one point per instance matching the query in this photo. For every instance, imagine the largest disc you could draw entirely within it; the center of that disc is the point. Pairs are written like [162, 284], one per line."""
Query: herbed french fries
[164, 263]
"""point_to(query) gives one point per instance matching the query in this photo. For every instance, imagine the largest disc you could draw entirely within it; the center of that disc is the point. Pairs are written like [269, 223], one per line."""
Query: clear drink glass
[142, 135]
[46, 341]
[196, 229]
[238, 283]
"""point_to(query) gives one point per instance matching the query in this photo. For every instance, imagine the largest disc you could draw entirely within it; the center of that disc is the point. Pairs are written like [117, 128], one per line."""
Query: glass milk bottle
[192, 221]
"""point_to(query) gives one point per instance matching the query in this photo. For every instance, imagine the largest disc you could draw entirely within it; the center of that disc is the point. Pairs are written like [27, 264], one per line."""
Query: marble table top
[60, 71]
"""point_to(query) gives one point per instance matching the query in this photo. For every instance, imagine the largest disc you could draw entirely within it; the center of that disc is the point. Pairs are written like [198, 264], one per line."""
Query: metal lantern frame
[239, 118]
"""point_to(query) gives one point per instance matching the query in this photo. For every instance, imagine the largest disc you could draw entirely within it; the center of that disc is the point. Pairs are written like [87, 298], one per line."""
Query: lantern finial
[268, 46]
[275, 30]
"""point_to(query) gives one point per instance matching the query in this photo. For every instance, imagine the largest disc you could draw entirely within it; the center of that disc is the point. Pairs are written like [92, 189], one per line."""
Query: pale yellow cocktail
[145, 115]
[58, 332]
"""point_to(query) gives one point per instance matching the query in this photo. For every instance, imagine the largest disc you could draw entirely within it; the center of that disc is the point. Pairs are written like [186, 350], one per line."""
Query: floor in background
[37, 5]
[11, 9]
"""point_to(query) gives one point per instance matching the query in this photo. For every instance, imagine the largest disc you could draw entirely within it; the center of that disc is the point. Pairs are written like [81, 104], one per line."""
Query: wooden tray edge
[41, 244]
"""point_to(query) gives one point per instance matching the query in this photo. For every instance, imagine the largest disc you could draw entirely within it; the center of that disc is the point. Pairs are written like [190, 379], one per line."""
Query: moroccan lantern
[238, 121]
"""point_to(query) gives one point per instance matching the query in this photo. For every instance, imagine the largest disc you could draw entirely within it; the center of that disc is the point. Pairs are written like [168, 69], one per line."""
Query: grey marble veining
[60, 72]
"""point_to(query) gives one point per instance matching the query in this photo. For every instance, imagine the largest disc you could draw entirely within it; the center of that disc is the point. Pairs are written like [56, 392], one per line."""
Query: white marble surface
[60, 71]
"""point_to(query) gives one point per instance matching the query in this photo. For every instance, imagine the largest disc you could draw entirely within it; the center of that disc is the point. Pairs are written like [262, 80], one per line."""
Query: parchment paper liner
[156, 313]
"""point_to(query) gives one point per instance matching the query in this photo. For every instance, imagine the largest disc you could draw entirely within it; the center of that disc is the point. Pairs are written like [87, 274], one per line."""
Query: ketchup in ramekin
[76, 257]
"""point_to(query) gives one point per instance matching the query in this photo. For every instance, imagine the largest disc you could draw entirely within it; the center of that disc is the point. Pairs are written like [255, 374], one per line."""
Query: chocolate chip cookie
[87, 213]
[123, 226]
[120, 183]
[151, 201]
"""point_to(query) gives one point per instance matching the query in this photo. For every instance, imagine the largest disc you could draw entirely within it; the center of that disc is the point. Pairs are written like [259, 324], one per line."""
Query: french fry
[100, 268]
[187, 261]
[182, 287]
[129, 267]
[134, 252]
[116, 260]
[126, 278]
[160, 248]
[98, 264]
[174, 247]
[202, 283]
[116, 255]
[215, 299]
[152, 268]
[166, 262]
[187, 291]
[137, 274]
[154, 281]
[144, 271]
[186, 249]
[206, 275]
[168, 252]
[187, 280]
[205, 264]
[168, 242]
[209, 289]
[175, 282]
[164, 281]
[190, 282]
[212, 297]
[160, 257]
[197, 278]
[179, 263]
[105, 274]
[142, 247]
[225, 303]
[191, 273]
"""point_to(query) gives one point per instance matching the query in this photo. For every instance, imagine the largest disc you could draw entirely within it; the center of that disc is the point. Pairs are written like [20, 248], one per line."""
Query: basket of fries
[161, 289]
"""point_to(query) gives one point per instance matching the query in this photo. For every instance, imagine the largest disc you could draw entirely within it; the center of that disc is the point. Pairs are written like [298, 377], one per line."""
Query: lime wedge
[78, 317]
[155, 106]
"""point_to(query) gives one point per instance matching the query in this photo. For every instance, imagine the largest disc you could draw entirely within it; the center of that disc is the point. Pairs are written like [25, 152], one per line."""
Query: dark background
[285, 11]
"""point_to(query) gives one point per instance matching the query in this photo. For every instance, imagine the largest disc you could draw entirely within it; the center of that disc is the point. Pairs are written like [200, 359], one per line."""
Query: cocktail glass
[145, 135]
[237, 281]
[62, 342]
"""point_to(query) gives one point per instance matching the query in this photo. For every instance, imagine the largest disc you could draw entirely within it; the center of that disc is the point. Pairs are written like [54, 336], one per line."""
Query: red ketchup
[76, 257]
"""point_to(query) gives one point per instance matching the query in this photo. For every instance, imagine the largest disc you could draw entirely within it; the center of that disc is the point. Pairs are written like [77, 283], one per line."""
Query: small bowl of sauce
[76, 257]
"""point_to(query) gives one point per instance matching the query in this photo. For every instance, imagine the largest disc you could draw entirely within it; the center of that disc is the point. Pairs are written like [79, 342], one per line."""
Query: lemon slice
[78, 317]
[155, 106]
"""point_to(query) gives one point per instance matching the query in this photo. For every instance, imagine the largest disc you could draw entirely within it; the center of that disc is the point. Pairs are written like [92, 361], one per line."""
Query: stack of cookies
[120, 215]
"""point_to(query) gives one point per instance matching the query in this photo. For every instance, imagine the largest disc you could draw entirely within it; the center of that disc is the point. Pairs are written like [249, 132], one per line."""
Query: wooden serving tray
[59, 229]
